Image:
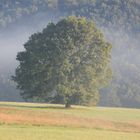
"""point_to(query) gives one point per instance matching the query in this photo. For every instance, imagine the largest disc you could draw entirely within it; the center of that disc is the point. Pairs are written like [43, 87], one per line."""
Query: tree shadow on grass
[33, 107]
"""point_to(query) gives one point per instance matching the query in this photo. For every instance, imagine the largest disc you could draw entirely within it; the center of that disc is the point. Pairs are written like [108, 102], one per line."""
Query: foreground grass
[61, 133]
[25, 121]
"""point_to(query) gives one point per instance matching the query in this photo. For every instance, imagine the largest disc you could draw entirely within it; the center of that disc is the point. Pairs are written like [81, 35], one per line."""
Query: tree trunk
[67, 105]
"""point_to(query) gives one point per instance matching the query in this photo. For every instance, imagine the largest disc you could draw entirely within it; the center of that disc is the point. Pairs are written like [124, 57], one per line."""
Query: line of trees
[116, 13]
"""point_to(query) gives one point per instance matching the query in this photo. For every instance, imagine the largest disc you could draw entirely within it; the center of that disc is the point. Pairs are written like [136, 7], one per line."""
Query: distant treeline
[124, 13]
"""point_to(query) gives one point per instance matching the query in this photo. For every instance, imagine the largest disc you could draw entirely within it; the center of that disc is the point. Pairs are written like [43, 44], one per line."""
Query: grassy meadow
[28, 121]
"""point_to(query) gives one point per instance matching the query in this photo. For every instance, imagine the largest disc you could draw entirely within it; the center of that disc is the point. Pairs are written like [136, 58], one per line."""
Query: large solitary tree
[68, 61]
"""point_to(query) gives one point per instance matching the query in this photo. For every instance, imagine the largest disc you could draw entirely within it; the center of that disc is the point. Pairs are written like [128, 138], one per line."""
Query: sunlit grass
[121, 114]
[61, 133]
[30, 121]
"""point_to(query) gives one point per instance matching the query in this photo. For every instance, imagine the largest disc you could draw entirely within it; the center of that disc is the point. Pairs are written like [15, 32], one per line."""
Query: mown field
[27, 121]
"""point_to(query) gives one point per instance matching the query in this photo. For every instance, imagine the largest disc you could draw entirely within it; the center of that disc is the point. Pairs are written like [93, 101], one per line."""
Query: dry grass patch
[12, 115]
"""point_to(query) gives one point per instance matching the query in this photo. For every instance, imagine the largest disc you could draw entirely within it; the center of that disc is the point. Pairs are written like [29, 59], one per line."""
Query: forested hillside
[108, 13]
[118, 19]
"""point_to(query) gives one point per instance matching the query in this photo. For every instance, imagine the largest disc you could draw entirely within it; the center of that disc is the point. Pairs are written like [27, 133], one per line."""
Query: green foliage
[111, 13]
[114, 14]
[120, 15]
[69, 59]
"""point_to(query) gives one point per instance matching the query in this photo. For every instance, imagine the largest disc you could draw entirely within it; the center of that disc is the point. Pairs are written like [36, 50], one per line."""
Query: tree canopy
[69, 60]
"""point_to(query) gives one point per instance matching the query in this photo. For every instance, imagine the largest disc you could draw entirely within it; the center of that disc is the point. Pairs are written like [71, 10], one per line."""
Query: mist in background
[124, 88]
[13, 37]
[12, 40]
